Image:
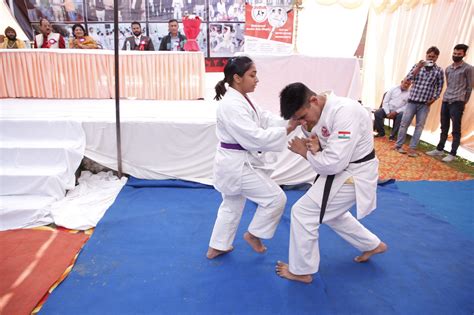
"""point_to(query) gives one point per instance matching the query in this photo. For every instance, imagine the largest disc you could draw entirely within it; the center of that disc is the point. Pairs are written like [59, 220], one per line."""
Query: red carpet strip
[31, 261]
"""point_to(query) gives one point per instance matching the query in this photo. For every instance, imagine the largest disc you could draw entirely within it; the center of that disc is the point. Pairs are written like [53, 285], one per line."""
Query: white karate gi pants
[262, 190]
[304, 245]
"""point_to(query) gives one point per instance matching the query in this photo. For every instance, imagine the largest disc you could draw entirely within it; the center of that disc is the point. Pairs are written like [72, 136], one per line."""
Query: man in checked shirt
[459, 86]
[427, 81]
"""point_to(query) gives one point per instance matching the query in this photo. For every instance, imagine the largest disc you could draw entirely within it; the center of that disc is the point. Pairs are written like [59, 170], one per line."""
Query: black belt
[330, 179]
[366, 158]
[452, 102]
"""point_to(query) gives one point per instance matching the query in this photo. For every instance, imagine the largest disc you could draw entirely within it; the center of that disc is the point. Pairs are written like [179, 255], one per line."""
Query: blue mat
[147, 256]
[452, 202]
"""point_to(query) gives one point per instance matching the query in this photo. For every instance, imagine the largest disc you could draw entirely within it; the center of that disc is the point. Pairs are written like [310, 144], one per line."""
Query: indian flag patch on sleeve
[343, 134]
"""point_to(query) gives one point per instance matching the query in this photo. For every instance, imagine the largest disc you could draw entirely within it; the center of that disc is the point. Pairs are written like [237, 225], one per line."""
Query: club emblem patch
[325, 132]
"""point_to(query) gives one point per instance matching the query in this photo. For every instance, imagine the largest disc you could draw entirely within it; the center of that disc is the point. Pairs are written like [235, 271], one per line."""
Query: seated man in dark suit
[393, 105]
[138, 41]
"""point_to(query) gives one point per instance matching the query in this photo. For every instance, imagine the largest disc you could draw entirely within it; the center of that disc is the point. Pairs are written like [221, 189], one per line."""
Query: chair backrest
[381, 102]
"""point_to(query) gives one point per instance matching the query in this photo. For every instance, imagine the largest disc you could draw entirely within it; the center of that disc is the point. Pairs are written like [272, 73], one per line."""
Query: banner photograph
[269, 29]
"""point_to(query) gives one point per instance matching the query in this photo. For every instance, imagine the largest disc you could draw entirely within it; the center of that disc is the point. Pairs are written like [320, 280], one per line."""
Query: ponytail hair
[235, 65]
[220, 89]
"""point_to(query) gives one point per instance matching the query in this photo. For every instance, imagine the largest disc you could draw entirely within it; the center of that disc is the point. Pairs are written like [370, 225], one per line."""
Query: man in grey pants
[459, 87]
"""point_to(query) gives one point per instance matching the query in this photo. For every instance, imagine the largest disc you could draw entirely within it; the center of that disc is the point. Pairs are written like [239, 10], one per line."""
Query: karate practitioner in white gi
[340, 148]
[247, 134]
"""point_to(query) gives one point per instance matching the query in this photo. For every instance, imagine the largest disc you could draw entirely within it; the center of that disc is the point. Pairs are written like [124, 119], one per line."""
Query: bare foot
[213, 253]
[283, 271]
[366, 255]
[255, 242]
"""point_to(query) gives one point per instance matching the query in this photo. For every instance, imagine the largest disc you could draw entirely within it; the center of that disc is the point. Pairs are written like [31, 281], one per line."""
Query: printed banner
[215, 64]
[268, 29]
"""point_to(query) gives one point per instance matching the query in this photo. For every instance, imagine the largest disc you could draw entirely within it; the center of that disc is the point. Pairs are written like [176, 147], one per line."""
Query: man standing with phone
[427, 81]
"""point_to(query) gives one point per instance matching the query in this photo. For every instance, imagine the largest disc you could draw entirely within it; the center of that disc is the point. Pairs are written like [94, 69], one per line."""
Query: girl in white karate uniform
[247, 134]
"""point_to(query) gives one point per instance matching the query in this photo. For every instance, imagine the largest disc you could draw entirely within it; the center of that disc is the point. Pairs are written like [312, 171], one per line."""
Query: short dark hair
[136, 23]
[173, 20]
[433, 49]
[235, 65]
[80, 26]
[462, 47]
[293, 97]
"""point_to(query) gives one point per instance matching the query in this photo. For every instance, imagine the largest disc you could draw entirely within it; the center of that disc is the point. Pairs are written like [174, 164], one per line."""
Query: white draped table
[68, 73]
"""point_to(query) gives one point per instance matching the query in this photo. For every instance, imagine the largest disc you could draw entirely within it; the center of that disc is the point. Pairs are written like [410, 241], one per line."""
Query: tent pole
[117, 90]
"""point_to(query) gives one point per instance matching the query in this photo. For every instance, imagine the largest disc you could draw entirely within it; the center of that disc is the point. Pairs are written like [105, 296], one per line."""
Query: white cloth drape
[396, 41]
[330, 30]
[340, 75]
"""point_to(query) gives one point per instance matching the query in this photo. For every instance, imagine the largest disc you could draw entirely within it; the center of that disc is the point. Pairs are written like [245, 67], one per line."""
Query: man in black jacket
[138, 41]
[174, 41]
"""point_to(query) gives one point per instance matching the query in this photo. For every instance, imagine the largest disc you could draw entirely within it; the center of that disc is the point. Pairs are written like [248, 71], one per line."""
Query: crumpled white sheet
[86, 204]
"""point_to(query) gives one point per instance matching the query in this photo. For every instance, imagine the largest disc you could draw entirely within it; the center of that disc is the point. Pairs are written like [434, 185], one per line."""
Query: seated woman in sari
[81, 40]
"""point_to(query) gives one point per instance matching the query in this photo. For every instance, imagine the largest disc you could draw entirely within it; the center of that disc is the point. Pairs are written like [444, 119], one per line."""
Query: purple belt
[232, 146]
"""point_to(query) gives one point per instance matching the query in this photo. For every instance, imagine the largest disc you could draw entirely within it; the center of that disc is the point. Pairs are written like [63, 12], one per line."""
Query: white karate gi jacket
[238, 122]
[345, 134]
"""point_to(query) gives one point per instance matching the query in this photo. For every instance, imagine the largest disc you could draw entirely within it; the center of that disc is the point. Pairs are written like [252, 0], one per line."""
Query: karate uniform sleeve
[269, 119]
[337, 154]
[242, 125]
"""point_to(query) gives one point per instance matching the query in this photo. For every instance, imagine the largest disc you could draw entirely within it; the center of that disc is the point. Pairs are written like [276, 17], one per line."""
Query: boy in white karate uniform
[340, 148]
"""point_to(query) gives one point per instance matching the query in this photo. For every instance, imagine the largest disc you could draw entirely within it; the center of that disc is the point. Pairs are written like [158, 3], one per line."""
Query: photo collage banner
[221, 34]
